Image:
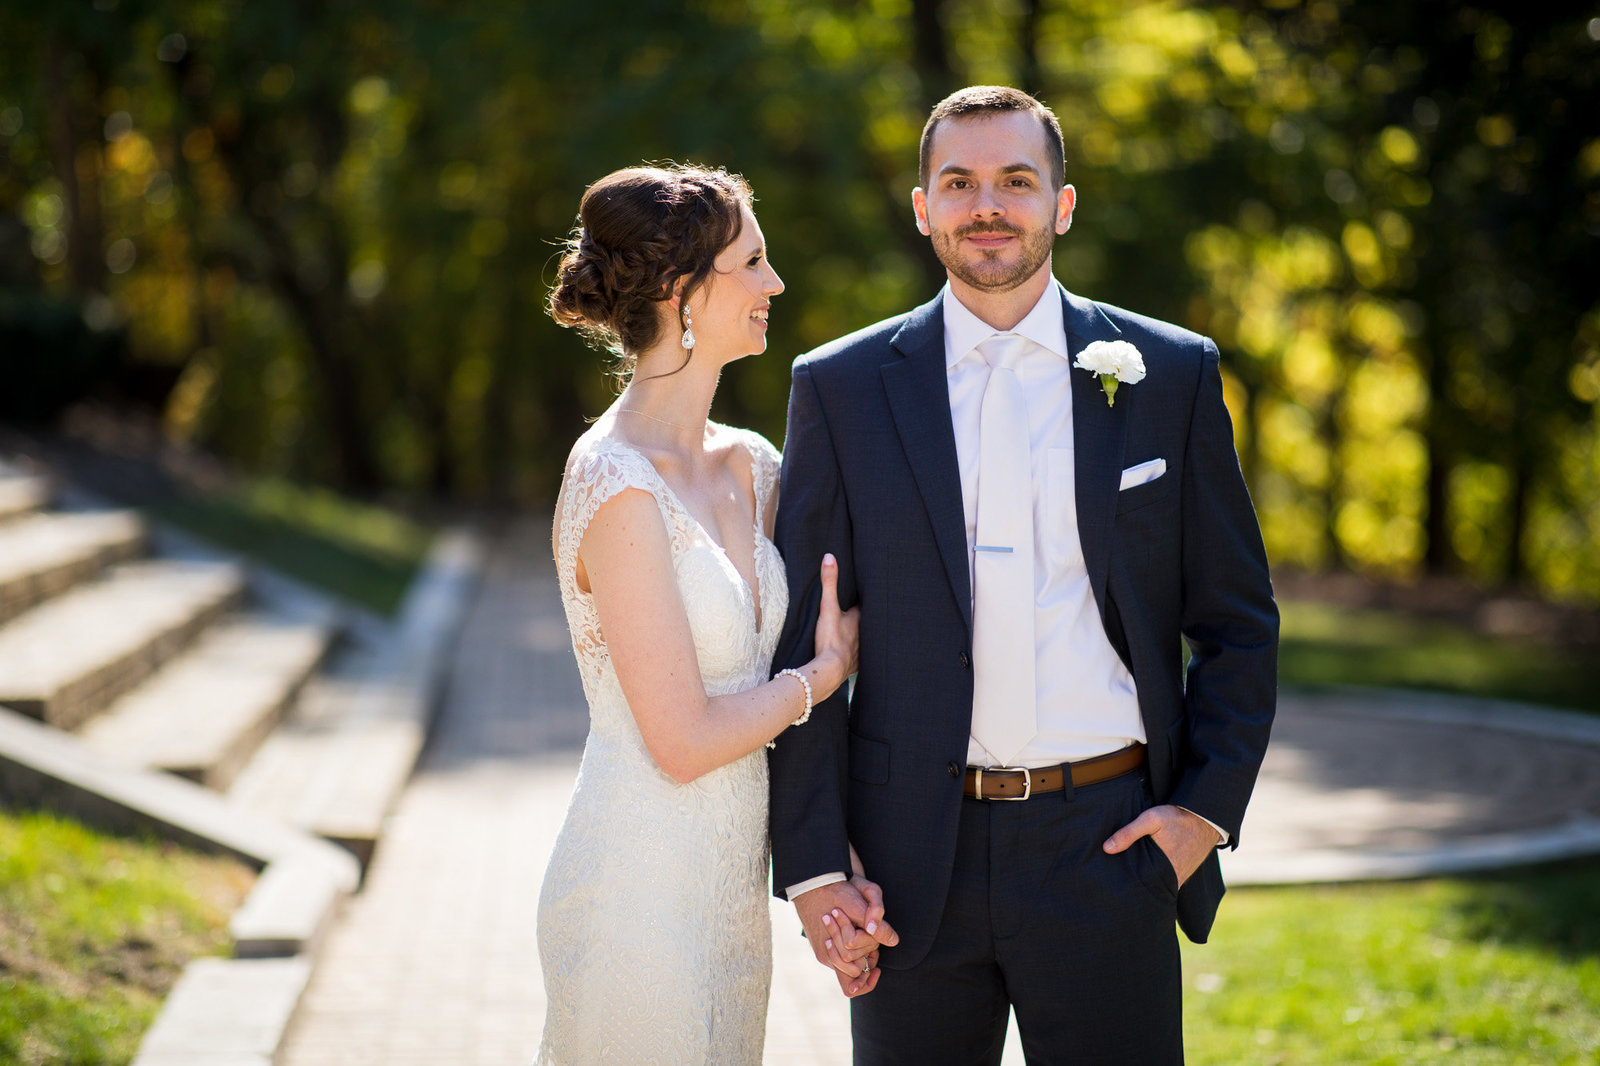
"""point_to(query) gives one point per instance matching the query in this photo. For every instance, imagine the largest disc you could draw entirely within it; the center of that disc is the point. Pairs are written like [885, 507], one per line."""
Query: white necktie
[1003, 715]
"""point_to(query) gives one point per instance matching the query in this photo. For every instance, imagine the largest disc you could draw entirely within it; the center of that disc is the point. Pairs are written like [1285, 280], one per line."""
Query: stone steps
[205, 714]
[21, 494]
[285, 728]
[43, 555]
[338, 762]
[69, 658]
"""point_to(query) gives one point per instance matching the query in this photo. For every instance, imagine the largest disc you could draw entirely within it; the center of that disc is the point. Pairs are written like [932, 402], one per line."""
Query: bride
[654, 934]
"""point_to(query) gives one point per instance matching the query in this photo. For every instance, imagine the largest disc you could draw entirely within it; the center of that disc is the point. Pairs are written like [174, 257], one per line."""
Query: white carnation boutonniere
[1115, 362]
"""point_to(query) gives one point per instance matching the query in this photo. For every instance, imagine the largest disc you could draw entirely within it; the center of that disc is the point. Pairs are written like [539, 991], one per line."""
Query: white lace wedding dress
[653, 926]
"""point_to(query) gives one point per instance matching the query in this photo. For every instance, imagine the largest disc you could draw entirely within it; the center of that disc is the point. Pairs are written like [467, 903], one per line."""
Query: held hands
[845, 927]
[1184, 837]
[838, 643]
[850, 937]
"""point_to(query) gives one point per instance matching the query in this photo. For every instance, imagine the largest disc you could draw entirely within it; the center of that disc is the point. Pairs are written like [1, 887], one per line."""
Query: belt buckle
[1027, 783]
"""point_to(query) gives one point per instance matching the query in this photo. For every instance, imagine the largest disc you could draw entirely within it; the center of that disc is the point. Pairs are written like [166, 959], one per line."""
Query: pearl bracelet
[805, 715]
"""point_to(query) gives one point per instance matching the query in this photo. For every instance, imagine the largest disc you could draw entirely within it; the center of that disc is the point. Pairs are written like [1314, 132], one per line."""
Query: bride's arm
[627, 559]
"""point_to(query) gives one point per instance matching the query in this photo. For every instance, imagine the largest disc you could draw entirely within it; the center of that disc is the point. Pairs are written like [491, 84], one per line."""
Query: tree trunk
[1514, 570]
[189, 205]
[1439, 556]
[314, 295]
[1328, 430]
[1029, 76]
[354, 464]
[86, 263]
[929, 55]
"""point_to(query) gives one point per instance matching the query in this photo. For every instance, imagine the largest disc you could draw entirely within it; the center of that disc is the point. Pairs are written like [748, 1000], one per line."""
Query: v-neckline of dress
[752, 584]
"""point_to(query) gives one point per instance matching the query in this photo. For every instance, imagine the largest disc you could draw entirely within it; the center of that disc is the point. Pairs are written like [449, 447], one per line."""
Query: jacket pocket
[869, 760]
[1137, 496]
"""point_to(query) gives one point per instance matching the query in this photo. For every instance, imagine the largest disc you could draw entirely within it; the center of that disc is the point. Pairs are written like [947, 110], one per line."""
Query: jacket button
[952, 769]
[966, 660]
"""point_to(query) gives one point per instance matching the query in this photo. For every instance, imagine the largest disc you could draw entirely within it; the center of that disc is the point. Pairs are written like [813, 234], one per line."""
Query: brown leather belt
[1005, 783]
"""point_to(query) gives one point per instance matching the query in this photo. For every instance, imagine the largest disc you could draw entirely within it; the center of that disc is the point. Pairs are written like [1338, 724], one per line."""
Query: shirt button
[952, 769]
[966, 660]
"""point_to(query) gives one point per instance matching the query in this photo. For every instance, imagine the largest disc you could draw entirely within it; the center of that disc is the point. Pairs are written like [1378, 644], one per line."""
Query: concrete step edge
[68, 659]
[226, 1012]
[45, 768]
[291, 907]
[44, 555]
[22, 494]
[204, 714]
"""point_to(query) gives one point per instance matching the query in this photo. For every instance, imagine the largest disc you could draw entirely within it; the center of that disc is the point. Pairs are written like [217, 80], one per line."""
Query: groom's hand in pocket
[1183, 837]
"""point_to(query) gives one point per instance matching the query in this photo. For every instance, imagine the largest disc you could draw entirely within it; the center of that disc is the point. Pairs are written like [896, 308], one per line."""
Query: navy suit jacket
[870, 474]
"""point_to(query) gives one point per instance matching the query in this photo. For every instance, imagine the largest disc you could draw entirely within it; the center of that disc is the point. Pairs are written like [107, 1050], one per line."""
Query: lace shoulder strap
[765, 464]
[603, 469]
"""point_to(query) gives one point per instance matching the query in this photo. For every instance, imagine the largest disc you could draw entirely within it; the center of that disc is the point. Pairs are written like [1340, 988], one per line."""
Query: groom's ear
[1066, 200]
[919, 208]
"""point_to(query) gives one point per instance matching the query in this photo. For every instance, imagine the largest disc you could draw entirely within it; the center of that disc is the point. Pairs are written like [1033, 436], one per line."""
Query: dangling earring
[688, 330]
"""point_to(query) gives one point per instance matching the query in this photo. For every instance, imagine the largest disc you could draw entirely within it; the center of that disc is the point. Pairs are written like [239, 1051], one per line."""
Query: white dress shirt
[1086, 701]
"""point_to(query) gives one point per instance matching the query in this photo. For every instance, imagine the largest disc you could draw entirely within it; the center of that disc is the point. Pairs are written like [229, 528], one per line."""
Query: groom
[1031, 543]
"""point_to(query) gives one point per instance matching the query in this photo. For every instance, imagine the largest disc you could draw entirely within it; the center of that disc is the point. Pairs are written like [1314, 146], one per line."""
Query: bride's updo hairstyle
[638, 232]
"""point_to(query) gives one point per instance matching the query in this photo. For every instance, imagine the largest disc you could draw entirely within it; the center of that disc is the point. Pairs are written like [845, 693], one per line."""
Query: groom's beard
[989, 274]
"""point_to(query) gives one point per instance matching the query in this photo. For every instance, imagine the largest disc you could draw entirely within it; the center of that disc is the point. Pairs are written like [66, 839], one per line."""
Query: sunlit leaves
[1352, 199]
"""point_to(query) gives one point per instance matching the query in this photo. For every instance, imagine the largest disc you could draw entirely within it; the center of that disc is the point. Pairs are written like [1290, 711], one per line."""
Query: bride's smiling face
[729, 311]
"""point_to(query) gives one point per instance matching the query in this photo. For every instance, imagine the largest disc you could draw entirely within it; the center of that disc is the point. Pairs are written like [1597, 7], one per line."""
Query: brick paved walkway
[435, 961]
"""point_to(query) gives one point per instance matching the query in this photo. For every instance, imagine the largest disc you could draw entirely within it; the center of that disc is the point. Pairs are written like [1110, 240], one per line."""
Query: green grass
[1496, 969]
[1336, 645]
[94, 930]
[1466, 971]
[360, 551]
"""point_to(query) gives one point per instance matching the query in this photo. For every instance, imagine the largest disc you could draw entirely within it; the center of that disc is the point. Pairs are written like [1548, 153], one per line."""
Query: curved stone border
[1507, 715]
[1578, 836]
[301, 877]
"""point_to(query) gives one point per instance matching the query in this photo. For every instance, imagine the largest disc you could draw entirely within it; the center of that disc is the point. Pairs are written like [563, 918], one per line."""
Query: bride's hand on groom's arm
[837, 642]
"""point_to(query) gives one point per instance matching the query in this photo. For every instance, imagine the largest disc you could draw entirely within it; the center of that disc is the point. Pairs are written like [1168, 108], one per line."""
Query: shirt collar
[1044, 326]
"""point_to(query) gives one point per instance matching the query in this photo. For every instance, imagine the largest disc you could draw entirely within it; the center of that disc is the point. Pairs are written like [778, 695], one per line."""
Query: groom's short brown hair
[993, 100]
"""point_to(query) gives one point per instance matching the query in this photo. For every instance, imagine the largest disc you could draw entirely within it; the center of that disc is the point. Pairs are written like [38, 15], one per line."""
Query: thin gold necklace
[653, 418]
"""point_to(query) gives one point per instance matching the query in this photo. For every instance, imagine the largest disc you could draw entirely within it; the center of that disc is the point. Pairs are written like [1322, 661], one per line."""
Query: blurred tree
[327, 229]
[1459, 145]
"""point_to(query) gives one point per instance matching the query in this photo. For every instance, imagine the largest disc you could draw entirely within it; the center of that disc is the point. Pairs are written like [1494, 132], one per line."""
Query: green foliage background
[323, 229]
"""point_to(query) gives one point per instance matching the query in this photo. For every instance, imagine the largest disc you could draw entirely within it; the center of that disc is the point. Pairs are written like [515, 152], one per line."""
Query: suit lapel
[1099, 433]
[916, 384]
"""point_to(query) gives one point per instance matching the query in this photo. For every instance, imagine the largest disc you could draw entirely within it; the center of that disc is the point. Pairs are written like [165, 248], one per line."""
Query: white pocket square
[1142, 474]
